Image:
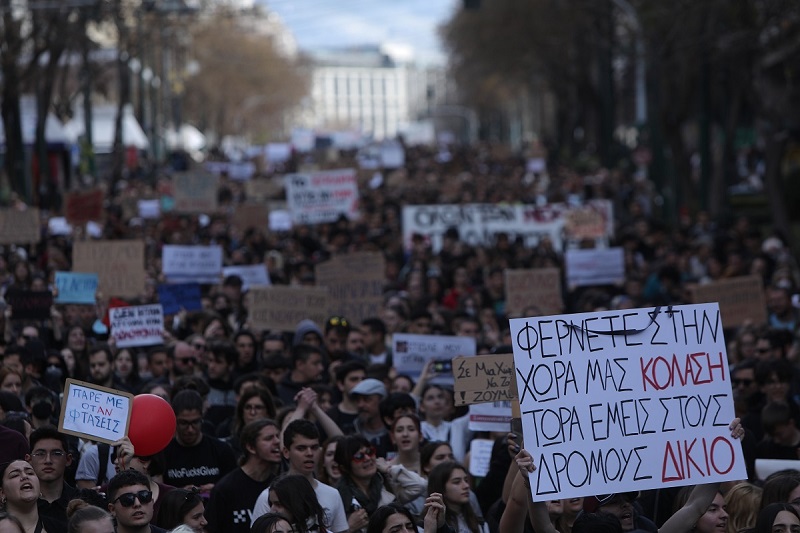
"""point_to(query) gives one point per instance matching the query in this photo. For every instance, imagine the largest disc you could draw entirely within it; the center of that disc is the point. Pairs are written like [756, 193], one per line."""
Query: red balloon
[152, 424]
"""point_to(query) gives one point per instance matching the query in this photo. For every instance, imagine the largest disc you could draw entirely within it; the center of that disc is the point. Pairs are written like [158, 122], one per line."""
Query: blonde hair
[742, 503]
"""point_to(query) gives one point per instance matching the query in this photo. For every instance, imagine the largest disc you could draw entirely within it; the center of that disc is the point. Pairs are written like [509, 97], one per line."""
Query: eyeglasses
[337, 321]
[186, 423]
[362, 456]
[128, 499]
[744, 382]
[55, 454]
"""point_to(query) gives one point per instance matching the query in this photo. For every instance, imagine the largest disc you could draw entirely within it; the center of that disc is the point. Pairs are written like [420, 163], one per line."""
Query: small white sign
[149, 209]
[411, 352]
[495, 416]
[320, 197]
[137, 325]
[94, 412]
[598, 266]
[252, 275]
[198, 264]
[480, 456]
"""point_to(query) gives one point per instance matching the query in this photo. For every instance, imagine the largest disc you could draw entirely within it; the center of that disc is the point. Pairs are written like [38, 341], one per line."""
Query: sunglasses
[188, 360]
[360, 457]
[337, 321]
[129, 498]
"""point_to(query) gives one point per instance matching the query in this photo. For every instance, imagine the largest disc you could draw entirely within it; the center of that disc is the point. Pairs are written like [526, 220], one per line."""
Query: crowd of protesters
[314, 429]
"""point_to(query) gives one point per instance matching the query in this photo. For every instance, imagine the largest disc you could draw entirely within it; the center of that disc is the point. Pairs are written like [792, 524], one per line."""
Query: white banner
[595, 266]
[494, 416]
[186, 264]
[625, 401]
[138, 325]
[410, 353]
[252, 275]
[321, 197]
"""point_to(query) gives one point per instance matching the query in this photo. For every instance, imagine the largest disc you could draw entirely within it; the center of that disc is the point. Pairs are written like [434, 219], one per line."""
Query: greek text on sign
[321, 197]
[95, 412]
[621, 401]
[483, 379]
[410, 352]
[137, 325]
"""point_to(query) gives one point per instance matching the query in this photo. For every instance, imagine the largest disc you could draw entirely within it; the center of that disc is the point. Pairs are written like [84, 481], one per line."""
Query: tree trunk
[12, 122]
[774, 150]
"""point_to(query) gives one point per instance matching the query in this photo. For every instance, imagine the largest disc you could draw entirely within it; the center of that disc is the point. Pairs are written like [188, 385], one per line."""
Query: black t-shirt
[230, 507]
[345, 421]
[197, 465]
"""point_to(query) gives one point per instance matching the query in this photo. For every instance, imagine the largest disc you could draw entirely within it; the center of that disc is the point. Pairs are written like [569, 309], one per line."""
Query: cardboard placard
[20, 227]
[198, 264]
[264, 188]
[595, 266]
[94, 412]
[281, 307]
[76, 287]
[584, 223]
[740, 299]
[355, 282]
[250, 216]
[483, 378]
[119, 266]
[174, 297]
[615, 401]
[540, 287]
[137, 325]
[411, 352]
[29, 305]
[195, 192]
[84, 206]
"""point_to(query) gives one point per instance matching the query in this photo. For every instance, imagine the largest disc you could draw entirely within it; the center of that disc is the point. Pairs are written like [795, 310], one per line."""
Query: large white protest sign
[94, 412]
[324, 196]
[138, 325]
[595, 266]
[186, 264]
[410, 352]
[622, 401]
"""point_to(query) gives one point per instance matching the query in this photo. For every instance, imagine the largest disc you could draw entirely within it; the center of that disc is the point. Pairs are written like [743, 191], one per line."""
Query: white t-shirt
[328, 498]
[89, 465]
[457, 433]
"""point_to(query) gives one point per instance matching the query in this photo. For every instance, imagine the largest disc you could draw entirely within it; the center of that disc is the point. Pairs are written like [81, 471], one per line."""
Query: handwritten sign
[195, 192]
[597, 266]
[84, 206]
[410, 352]
[645, 407]
[540, 287]
[584, 222]
[483, 378]
[480, 456]
[93, 412]
[281, 307]
[29, 305]
[174, 297]
[19, 227]
[248, 216]
[119, 265]
[252, 275]
[321, 197]
[740, 299]
[137, 325]
[199, 264]
[355, 282]
[76, 287]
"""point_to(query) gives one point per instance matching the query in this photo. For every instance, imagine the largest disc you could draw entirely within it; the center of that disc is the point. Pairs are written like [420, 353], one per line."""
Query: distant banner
[195, 192]
[180, 296]
[621, 401]
[321, 197]
[29, 305]
[198, 264]
[355, 282]
[76, 287]
[137, 325]
[595, 266]
[411, 352]
[740, 299]
[119, 265]
[252, 275]
[19, 227]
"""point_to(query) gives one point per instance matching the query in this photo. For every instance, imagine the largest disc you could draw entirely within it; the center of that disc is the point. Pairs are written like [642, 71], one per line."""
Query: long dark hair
[378, 519]
[266, 522]
[766, 517]
[246, 396]
[437, 482]
[345, 451]
[778, 486]
[175, 505]
[298, 497]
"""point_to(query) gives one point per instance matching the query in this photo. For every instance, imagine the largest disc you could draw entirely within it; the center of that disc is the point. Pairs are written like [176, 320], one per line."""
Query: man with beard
[184, 361]
[301, 447]
[230, 507]
[130, 502]
[101, 369]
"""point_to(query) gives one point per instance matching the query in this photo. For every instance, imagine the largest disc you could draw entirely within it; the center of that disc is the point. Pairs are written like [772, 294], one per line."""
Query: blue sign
[173, 298]
[76, 288]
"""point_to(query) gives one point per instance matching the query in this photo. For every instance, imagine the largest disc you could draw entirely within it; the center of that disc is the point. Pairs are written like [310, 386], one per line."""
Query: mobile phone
[442, 366]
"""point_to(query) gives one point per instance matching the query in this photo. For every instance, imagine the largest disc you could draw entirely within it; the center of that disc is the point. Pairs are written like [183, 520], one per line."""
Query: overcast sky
[326, 23]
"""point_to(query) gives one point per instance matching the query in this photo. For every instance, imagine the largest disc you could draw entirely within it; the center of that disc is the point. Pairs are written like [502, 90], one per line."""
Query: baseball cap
[592, 503]
[369, 386]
